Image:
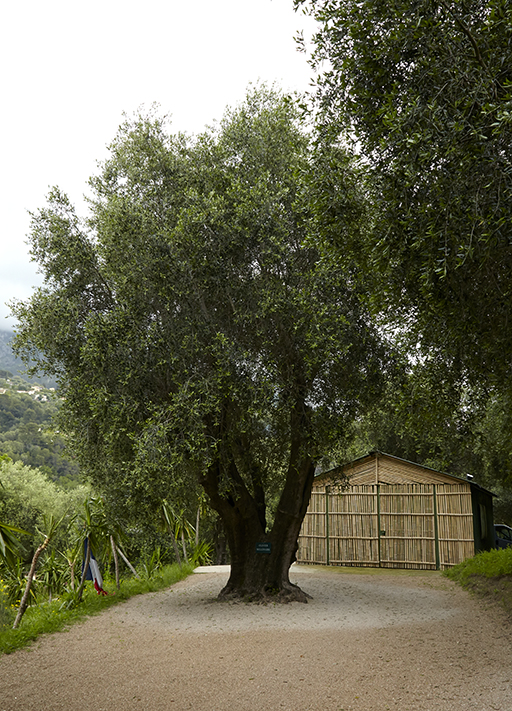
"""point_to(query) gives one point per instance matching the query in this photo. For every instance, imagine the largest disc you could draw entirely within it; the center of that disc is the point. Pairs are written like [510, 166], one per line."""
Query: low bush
[489, 564]
[6, 608]
[488, 574]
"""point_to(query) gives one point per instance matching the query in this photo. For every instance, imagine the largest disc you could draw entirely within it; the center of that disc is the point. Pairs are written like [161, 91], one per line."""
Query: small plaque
[383, 533]
[263, 547]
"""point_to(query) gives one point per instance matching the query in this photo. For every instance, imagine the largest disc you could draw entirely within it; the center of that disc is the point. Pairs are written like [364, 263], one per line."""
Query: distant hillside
[10, 363]
[28, 429]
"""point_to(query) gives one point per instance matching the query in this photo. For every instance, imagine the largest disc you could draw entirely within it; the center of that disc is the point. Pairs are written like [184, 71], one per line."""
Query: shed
[395, 514]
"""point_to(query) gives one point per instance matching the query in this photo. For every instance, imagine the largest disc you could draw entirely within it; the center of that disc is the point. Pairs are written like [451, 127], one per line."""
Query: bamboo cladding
[404, 525]
[454, 499]
[406, 498]
[453, 552]
[317, 501]
[357, 499]
[354, 551]
[397, 472]
[314, 525]
[312, 550]
[408, 553]
[363, 471]
[382, 468]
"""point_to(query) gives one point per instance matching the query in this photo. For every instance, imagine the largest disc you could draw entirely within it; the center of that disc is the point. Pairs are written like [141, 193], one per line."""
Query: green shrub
[15, 581]
[202, 553]
[488, 575]
[27, 496]
[488, 564]
[6, 610]
[151, 566]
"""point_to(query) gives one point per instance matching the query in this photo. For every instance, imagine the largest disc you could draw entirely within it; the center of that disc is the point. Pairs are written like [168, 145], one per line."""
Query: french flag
[93, 571]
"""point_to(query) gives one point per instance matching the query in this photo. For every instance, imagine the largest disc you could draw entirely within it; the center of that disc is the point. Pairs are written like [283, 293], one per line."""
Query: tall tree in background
[198, 334]
[425, 87]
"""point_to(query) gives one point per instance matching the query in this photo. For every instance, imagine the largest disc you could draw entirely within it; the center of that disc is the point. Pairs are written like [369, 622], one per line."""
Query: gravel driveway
[368, 641]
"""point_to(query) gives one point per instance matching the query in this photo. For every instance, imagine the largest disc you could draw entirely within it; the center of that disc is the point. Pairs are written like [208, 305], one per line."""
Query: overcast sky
[70, 70]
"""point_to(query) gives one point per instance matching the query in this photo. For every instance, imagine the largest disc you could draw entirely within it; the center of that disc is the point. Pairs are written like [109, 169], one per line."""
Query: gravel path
[366, 642]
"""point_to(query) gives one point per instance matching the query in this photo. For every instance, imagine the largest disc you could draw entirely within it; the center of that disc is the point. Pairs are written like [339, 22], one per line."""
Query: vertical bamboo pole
[377, 487]
[327, 552]
[436, 527]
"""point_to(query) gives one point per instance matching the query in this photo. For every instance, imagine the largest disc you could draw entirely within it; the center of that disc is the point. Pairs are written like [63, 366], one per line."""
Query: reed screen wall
[425, 526]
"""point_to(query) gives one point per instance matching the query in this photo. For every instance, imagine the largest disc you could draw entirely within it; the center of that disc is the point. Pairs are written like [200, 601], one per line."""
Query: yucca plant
[71, 556]
[52, 575]
[15, 580]
[202, 553]
[152, 565]
[10, 546]
[177, 525]
[6, 611]
[50, 526]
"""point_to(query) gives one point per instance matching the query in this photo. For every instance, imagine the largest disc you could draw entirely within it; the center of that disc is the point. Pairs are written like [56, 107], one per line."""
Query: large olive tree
[198, 334]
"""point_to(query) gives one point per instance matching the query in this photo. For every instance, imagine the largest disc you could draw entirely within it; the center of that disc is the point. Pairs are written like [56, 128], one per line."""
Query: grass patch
[487, 574]
[53, 617]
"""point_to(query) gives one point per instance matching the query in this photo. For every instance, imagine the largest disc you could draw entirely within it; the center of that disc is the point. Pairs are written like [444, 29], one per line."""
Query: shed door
[455, 515]
[353, 527]
[407, 526]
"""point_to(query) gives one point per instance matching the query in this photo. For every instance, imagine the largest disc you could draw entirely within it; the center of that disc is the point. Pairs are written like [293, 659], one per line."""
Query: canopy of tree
[425, 88]
[196, 331]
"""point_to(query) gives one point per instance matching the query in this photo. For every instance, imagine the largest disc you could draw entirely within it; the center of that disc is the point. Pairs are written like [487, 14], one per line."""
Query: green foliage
[10, 546]
[488, 575]
[488, 564]
[50, 527]
[493, 442]
[6, 609]
[198, 334]
[27, 495]
[426, 89]
[425, 418]
[52, 575]
[202, 554]
[151, 566]
[14, 581]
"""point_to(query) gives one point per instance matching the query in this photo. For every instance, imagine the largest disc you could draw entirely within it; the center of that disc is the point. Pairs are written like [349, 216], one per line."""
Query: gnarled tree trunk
[261, 559]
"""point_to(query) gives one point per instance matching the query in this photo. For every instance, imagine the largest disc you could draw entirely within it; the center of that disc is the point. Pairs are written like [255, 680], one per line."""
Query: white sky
[70, 70]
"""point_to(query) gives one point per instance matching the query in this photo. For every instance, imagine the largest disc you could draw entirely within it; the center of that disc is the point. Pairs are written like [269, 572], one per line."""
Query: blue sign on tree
[263, 547]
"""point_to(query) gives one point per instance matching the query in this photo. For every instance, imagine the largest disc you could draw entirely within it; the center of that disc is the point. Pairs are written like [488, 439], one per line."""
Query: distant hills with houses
[11, 364]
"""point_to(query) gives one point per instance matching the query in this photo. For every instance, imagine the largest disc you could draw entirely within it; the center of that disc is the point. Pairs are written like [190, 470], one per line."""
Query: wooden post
[127, 562]
[377, 487]
[436, 527]
[116, 561]
[30, 577]
[327, 552]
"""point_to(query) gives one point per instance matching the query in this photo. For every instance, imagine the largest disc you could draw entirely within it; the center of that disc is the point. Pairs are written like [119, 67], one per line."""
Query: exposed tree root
[287, 593]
